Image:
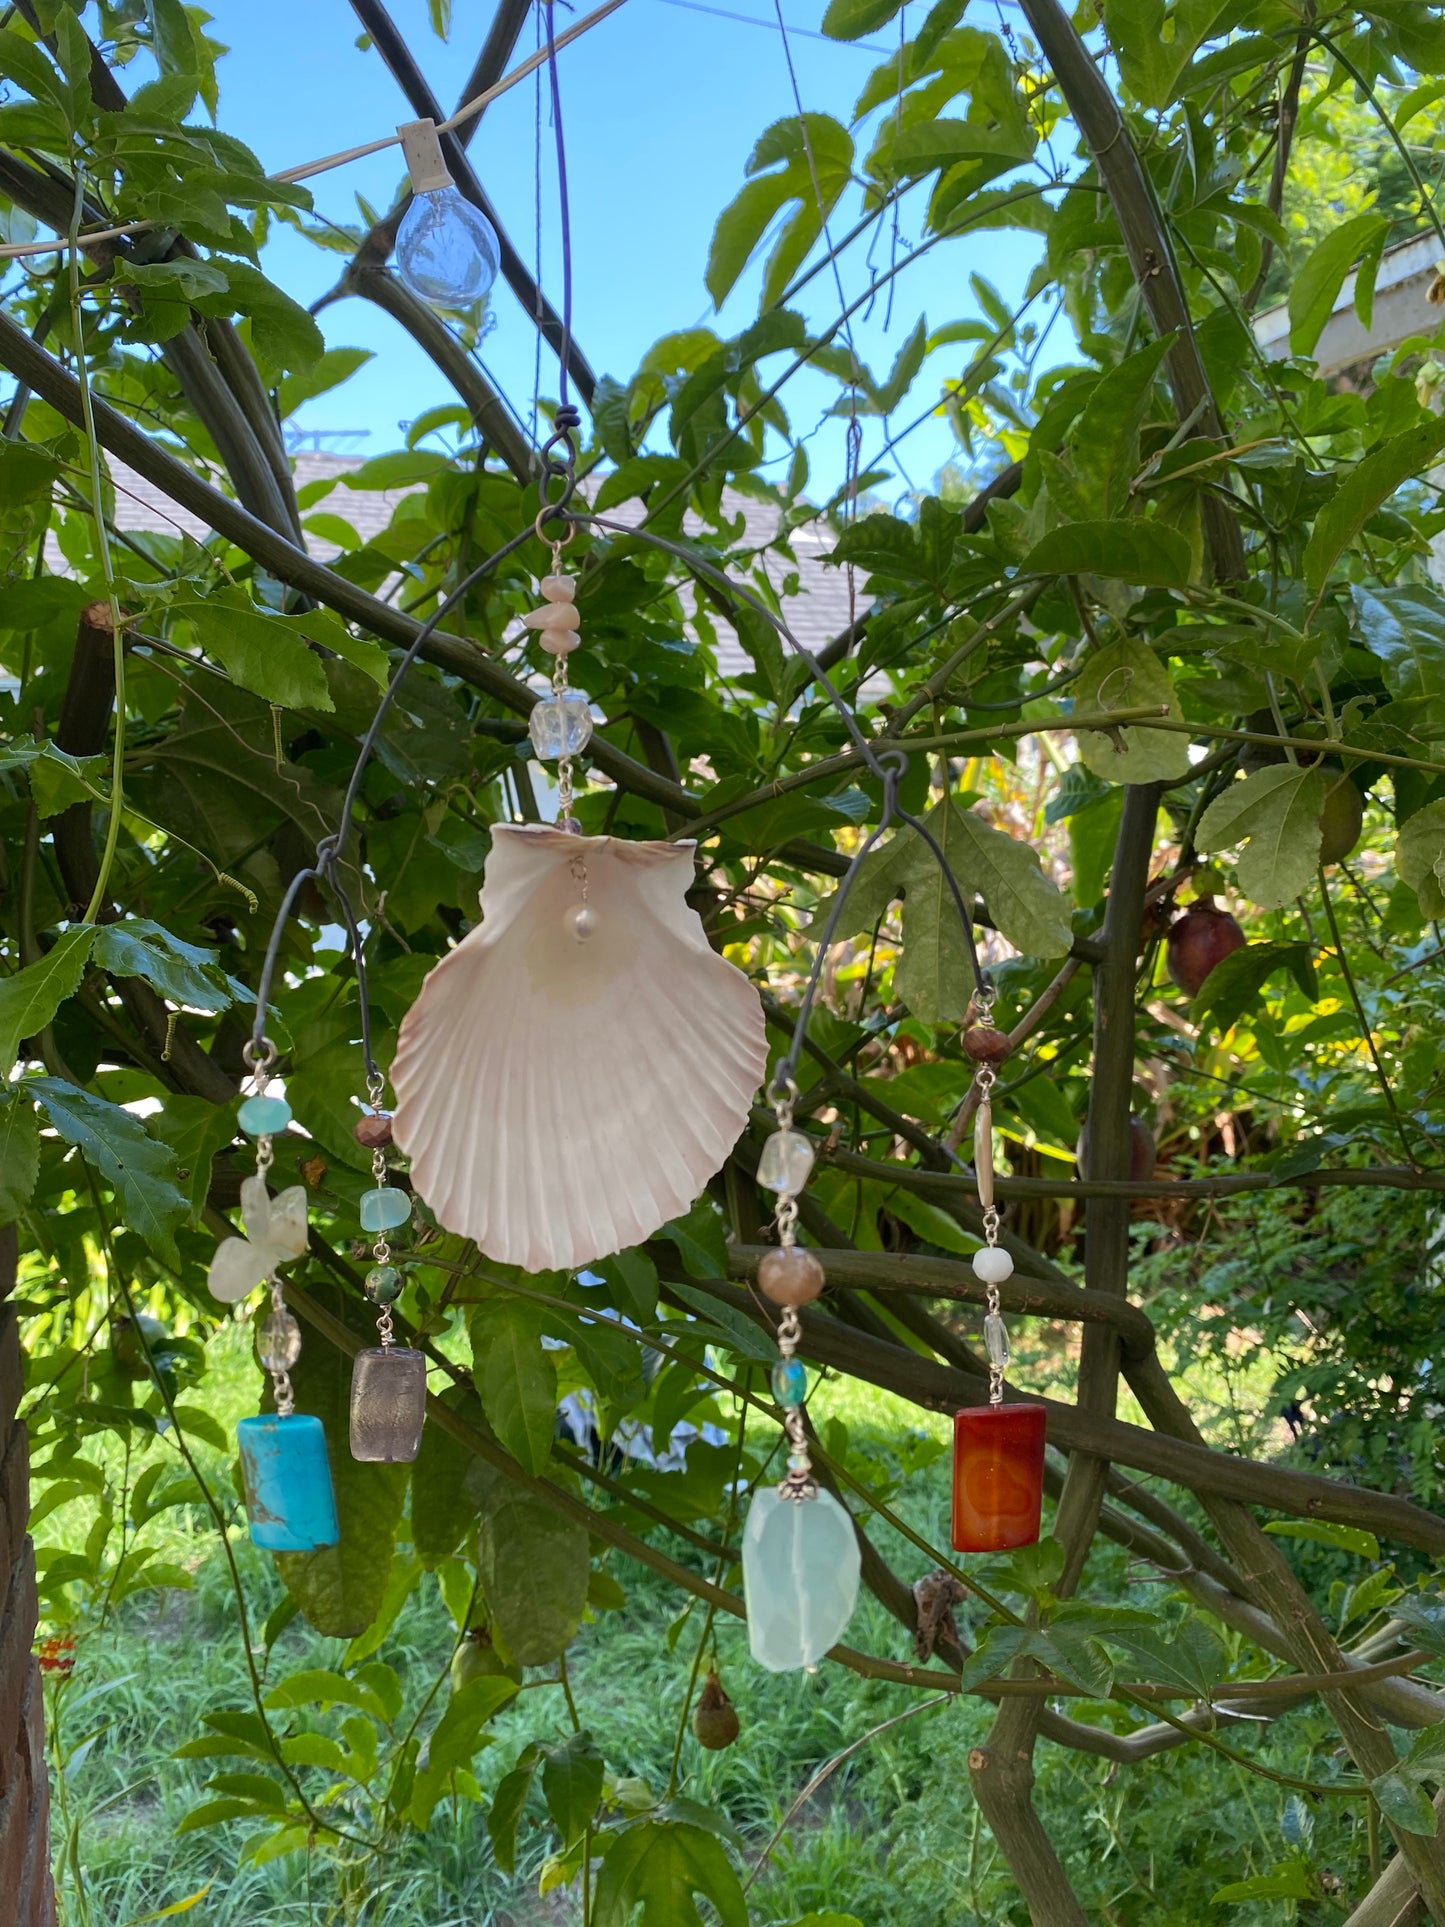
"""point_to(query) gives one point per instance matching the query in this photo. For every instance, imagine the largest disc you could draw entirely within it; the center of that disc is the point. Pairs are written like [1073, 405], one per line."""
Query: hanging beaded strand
[801, 1559]
[289, 1498]
[561, 724]
[998, 1449]
[388, 1381]
[791, 1277]
[992, 1266]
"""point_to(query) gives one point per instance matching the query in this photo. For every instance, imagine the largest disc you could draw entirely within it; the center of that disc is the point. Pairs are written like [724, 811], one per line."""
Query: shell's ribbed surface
[561, 1100]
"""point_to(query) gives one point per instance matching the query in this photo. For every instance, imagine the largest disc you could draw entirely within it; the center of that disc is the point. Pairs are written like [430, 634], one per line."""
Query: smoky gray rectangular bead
[388, 1404]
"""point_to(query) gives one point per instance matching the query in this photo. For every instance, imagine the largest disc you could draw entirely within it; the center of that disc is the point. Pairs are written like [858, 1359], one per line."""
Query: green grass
[893, 1837]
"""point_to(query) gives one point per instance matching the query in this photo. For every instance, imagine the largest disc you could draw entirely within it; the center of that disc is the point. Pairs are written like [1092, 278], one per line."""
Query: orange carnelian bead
[998, 1476]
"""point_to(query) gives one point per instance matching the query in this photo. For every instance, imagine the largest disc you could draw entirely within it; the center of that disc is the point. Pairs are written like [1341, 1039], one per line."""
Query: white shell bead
[559, 588]
[556, 615]
[992, 1266]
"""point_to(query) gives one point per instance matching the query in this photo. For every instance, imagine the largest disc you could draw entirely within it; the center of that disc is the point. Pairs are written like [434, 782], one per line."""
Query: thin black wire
[566, 212]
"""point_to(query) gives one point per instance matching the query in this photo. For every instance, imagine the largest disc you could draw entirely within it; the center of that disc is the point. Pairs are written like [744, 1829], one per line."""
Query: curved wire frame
[886, 762]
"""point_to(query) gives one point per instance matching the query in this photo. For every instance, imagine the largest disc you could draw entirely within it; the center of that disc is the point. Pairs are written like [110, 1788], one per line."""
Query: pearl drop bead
[992, 1266]
[580, 921]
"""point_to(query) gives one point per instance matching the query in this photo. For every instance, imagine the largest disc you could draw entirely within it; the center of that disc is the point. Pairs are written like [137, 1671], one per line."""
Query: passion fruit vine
[1199, 940]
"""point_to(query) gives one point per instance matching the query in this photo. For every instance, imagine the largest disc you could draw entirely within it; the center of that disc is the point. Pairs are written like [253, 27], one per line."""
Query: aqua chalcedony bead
[790, 1381]
[800, 1578]
[384, 1209]
[289, 1498]
[263, 1116]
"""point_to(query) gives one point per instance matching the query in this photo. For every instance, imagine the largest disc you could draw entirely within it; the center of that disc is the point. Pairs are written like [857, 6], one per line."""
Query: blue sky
[661, 105]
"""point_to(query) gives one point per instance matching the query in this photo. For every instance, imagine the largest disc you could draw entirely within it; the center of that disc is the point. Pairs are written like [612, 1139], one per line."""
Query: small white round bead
[992, 1266]
[581, 921]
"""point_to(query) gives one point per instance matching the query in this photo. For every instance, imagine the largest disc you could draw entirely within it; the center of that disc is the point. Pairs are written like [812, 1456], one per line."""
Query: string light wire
[14, 251]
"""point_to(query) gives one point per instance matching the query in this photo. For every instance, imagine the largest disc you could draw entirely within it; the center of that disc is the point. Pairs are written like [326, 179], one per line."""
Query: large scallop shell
[561, 1099]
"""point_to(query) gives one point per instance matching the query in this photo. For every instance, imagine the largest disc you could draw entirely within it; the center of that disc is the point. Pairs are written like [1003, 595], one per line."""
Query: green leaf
[1364, 489]
[196, 1130]
[660, 1867]
[1322, 1532]
[1278, 810]
[730, 1326]
[1191, 1655]
[172, 41]
[1405, 628]
[533, 1565]
[26, 473]
[1424, 1614]
[632, 1281]
[1292, 1881]
[572, 1774]
[456, 1739]
[1151, 60]
[262, 653]
[316, 1686]
[1138, 552]
[1128, 675]
[1405, 1804]
[19, 1153]
[282, 331]
[509, 1803]
[1233, 985]
[125, 1155]
[1104, 441]
[342, 1588]
[1316, 286]
[851, 19]
[934, 975]
[1077, 1655]
[402, 468]
[1420, 858]
[186, 973]
[515, 1377]
[813, 170]
[700, 1239]
[30, 999]
[443, 1503]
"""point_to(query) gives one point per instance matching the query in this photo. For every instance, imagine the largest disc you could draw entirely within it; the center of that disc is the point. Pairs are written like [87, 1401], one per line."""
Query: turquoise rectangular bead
[289, 1498]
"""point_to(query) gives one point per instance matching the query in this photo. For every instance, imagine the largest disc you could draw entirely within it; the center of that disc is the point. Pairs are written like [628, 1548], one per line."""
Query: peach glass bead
[791, 1276]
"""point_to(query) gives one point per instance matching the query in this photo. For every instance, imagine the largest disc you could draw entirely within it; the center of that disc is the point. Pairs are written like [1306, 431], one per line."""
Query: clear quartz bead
[995, 1338]
[561, 725]
[785, 1163]
[278, 1341]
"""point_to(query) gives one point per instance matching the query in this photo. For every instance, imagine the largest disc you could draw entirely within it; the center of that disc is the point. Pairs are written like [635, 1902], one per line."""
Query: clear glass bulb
[446, 250]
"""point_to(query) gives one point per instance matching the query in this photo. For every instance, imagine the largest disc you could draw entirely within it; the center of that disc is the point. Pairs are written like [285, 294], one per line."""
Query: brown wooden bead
[791, 1276]
[985, 1045]
[372, 1130]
